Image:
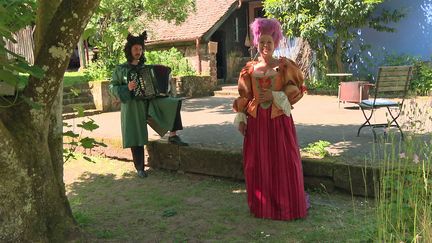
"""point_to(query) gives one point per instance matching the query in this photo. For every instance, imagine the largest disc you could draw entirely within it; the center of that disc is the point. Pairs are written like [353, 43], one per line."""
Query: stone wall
[193, 86]
[207, 59]
[102, 99]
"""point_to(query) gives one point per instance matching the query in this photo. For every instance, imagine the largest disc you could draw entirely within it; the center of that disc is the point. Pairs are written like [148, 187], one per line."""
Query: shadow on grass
[172, 207]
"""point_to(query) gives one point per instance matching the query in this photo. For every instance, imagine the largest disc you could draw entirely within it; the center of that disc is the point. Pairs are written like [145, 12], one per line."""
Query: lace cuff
[240, 117]
[281, 101]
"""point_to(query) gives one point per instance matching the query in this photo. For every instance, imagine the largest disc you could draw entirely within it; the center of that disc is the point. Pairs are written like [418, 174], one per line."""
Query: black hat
[134, 40]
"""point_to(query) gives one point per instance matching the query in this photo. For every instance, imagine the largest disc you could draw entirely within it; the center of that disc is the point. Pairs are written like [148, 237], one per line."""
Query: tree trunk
[33, 204]
[304, 57]
[338, 57]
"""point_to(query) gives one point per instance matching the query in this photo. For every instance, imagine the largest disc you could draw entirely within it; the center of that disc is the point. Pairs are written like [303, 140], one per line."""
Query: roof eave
[160, 42]
[206, 36]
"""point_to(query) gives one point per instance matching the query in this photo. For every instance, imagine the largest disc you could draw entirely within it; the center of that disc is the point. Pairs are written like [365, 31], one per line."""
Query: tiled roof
[207, 14]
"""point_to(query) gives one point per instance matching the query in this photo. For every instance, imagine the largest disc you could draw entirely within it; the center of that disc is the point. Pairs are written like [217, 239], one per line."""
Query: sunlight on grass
[71, 78]
[239, 191]
[110, 202]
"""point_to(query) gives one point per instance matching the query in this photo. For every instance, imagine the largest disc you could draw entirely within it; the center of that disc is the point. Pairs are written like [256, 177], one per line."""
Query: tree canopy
[328, 25]
[114, 19]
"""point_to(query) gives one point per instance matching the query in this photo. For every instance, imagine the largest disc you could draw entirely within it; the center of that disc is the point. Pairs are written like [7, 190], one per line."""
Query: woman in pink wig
[271, 158]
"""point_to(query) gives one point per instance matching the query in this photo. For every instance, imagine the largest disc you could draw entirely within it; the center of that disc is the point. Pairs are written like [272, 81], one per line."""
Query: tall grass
[404, 201]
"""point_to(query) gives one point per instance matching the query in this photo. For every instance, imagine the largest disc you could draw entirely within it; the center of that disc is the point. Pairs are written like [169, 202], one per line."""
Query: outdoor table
[352, 92]
[339, 74]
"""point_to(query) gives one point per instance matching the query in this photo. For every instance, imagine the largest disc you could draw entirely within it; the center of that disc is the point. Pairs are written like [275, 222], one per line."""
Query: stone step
[322, 174]
[71, 95]
[86, 106]
[78, 100]
[78, 87]
[89, 112]
[328, 174]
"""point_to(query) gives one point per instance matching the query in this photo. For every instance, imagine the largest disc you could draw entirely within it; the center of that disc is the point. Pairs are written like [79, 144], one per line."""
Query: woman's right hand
[132, 85]
[242, 128]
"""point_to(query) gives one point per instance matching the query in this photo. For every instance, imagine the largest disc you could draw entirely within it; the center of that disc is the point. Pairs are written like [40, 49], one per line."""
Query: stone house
[214, 38]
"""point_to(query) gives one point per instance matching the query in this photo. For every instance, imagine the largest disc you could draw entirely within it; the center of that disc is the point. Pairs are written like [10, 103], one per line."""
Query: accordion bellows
[152, 81]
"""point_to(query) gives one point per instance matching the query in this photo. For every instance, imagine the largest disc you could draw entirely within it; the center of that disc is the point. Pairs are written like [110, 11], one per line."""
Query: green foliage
[74, 140]
[325, 83]
[114, 19]
[16, 14]
[318, 148]
[394, 59]
[421, 82]
[172, 58]
[98, 70]
[328, 25]
[72, 78]
[404, 203]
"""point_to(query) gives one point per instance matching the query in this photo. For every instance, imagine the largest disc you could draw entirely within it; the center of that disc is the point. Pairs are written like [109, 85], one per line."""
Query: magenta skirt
[272, 168]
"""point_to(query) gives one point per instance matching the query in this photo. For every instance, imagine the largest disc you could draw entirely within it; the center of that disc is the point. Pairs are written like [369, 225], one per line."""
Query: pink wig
[262, 26]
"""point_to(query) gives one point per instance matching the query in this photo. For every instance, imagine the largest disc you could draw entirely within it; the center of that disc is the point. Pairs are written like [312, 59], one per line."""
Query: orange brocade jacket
[288, 74]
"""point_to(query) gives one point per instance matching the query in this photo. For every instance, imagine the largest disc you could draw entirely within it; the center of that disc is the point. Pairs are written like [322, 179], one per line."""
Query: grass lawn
[71, 78]
[112, 204]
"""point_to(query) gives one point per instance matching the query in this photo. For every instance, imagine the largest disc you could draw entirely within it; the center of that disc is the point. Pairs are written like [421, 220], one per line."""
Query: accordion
[152, 81]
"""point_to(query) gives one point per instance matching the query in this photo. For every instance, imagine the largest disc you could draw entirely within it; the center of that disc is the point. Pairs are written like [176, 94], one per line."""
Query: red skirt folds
[272, 167]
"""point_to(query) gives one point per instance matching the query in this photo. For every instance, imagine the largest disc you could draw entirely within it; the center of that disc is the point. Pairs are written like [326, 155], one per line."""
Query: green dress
[159, 113]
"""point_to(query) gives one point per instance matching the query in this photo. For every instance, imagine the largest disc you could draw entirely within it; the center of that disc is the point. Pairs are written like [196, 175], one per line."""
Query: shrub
[421, 82]
[318, 148]
[172, 58]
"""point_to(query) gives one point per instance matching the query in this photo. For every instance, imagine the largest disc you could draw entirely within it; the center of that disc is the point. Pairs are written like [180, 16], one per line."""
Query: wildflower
[402, 155]
[416, 159]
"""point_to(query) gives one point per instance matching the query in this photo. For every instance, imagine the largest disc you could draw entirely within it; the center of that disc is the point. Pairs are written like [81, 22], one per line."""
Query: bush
[318, 148]
[102, 69]
[421, 82]
[172, 58]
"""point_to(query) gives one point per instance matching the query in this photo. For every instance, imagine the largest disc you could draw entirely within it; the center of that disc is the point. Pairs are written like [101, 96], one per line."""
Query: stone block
[102, 99]
[195, 86]
[356, 179]
[317, 168]
[211, 162]
[163, 155]
[319, 183]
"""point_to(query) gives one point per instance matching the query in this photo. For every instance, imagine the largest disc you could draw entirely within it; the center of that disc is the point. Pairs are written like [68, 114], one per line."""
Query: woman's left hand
[265, 95]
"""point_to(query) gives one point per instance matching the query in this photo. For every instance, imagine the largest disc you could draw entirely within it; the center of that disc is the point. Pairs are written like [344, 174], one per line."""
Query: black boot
[177, 141]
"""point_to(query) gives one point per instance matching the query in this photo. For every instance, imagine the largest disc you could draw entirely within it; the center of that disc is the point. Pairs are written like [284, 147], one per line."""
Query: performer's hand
[132, 85]
[242, 128]
[265, 95]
